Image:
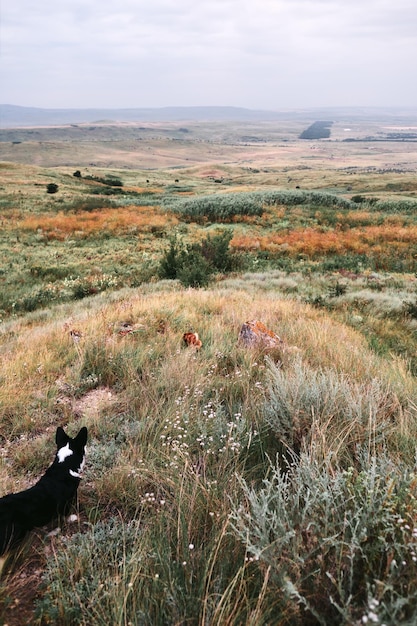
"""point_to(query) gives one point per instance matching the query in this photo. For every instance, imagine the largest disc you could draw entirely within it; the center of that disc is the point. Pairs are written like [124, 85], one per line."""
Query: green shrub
[339, 289]
[90, 285]
[81, 582]
[194, 265]
[88, 204]
[407, 207]
[217, 253]
[225, 207]
[195, 270]
[358, 198]
[410, 309]
[111, 181]
[37, 298]
[340, 546]
[303, 404]
[109, 191]
[171, 261]
[51, 272]
[144, 574]
[353, 262]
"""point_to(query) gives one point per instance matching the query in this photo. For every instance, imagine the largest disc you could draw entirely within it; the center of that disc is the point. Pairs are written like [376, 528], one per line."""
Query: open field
[187, 144]
[233, 485]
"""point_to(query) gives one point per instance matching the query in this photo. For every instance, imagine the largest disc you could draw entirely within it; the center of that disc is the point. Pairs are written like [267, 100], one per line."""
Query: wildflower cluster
[70, 288]
[202, 430]
[82, 287]
[371, 615]
[408, 537]
[151, 499]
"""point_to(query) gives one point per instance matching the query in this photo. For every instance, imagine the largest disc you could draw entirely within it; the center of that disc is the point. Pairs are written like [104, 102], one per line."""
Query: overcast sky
[267, 54]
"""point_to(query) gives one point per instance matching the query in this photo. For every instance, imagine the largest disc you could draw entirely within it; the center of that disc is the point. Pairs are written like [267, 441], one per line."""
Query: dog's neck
[65, 452]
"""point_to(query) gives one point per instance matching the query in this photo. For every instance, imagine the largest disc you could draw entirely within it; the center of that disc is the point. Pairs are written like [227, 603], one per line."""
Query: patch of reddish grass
[119, 220]
[315, 242]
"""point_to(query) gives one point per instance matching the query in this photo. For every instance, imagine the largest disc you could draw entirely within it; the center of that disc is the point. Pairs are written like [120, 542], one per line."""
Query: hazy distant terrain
[184, 137]
[16, 116]
[30, 116]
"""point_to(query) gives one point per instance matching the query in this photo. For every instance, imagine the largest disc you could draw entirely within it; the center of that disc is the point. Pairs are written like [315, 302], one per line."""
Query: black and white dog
[49, 498]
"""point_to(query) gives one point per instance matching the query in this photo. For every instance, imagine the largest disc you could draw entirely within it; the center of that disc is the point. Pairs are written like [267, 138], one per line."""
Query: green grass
[42, 267]
[186, 452]
[228, 486]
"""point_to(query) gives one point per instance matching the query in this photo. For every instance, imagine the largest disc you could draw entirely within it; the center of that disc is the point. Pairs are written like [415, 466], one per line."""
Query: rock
[255, 333]
[128, 328]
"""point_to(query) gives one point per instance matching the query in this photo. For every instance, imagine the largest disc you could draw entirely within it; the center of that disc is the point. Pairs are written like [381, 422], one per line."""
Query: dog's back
[49, 498]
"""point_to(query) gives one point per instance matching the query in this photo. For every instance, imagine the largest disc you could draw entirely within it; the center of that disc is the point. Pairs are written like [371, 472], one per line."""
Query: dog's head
[71, 451]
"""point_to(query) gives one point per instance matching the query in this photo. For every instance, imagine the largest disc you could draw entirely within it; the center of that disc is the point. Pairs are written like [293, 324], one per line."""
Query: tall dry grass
[176, 438]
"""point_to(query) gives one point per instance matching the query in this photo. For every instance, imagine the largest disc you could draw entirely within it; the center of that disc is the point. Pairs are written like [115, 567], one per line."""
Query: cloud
[266, 54]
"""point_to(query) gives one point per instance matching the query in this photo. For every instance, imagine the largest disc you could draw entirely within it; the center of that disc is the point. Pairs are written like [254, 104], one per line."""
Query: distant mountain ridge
[12, 116]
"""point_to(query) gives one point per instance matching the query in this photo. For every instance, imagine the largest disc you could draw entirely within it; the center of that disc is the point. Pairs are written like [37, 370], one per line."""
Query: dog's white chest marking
[63, 453]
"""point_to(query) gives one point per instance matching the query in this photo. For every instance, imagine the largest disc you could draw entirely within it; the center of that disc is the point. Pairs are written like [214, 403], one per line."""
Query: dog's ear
[81, 438]
[61, 437]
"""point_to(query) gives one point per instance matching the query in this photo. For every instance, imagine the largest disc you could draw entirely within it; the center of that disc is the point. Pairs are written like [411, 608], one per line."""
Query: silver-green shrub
[303, 404]
[339, 546]
[224, 207]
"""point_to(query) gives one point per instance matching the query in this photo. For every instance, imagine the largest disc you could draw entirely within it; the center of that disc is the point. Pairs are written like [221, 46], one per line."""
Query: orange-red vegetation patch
[366, 218]
[211, 173]
[119, 220]
[315, 242]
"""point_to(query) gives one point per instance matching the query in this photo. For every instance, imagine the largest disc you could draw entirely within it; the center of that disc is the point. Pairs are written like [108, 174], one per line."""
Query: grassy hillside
[351, 252]
[232, 485]
[227, 486]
